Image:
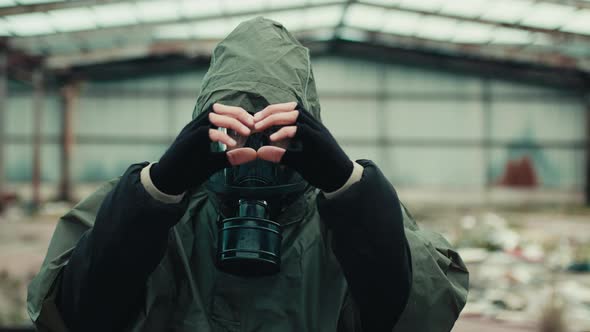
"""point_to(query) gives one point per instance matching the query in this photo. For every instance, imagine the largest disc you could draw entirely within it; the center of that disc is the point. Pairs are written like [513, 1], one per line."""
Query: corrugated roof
[544, 30]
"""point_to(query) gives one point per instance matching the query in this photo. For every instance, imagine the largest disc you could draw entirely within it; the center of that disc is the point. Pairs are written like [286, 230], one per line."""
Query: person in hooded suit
[142, 252]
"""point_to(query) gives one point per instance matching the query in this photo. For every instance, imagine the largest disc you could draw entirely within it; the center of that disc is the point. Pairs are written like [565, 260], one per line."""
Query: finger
[271, 153]
[221, 137]
[241, 156]
[225, 121]
[275, 108]
[277, 119]
[283, 133]
[235, 112]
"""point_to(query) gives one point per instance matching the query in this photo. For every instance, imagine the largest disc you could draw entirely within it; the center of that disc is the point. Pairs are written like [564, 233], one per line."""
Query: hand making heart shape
[189, 161]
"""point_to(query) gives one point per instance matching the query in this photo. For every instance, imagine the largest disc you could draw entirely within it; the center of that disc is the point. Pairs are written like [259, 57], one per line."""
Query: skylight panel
[437, 28]
[34, 2]
[323, 16]
[174, 31]
[232, 6]
[276, 4]
[401, 23]
[507, 11]
[236, 20]
[365, 17]
[7, 3]
[473, 33]
[579, 23]
[291, 19]
[117, 14]
[510, 36]
[73, 19]
[158, 10]
[200, 8]
[29, 24]
[471, 8]
[212, 29]
[426, 5]
[547, 15]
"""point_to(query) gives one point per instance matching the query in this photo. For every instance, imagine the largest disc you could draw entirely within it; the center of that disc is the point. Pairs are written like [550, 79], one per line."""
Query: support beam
[520, 53]
[38, 95]
[341, 23]
[508, 68]
[587, 161]
[390, 43]
[381, 114]
[582, 4]
[190, 48]
[69, 95]
[486, 118]
[2, 123]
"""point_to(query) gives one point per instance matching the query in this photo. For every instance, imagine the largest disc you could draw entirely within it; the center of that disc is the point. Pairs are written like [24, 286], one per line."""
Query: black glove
[319, 159]
[189, 161]
[312, 152]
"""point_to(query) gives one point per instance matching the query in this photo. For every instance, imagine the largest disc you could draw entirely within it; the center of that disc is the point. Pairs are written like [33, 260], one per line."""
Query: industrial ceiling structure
[70, 33]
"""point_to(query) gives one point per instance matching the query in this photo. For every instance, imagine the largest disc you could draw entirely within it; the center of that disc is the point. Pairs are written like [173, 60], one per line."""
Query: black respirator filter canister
[249, 244]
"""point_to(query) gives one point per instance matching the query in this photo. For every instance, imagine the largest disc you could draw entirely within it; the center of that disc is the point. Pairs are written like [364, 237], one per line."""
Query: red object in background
[6, 198]
[519, 173]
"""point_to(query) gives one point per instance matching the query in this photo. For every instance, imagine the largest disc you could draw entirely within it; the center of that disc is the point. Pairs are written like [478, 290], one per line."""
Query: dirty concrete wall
[424, 127]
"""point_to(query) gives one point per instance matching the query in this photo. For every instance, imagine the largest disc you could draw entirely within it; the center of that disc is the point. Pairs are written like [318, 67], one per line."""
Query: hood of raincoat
[257, 64]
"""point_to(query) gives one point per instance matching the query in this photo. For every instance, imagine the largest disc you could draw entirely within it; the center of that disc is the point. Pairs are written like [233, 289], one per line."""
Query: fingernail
[257, 116]
[232, 142]
[257, 125]
[247, 130]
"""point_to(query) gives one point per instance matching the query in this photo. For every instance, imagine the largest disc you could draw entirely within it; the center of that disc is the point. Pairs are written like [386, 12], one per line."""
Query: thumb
[241, 156]
[271, 153]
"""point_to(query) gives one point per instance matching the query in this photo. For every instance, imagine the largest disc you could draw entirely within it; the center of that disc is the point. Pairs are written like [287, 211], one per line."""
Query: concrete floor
[24, 240]
[486, 325]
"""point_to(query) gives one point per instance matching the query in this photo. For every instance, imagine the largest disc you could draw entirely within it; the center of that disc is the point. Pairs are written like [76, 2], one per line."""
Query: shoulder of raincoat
[259, 63]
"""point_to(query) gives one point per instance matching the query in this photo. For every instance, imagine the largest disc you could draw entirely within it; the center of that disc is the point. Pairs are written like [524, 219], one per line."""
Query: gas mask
[249, 241]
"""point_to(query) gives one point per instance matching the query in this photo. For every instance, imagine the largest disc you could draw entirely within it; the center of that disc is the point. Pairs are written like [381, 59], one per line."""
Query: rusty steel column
[587, 150]
[486, 103]
[69, 96]
[38, 94]
[2, 123]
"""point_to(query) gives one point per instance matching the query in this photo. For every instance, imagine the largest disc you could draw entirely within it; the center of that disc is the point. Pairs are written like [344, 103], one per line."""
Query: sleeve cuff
[156, 194]
[355, 176]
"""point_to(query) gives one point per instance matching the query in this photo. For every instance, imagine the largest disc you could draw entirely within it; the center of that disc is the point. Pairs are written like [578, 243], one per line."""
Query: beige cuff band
[156, 194]
[355, 176]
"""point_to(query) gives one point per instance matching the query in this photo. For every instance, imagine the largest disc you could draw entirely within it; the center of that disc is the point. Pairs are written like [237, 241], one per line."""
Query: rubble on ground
[520, 276]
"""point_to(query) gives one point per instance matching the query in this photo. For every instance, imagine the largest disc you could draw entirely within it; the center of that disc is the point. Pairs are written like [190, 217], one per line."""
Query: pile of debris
[522, 277]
